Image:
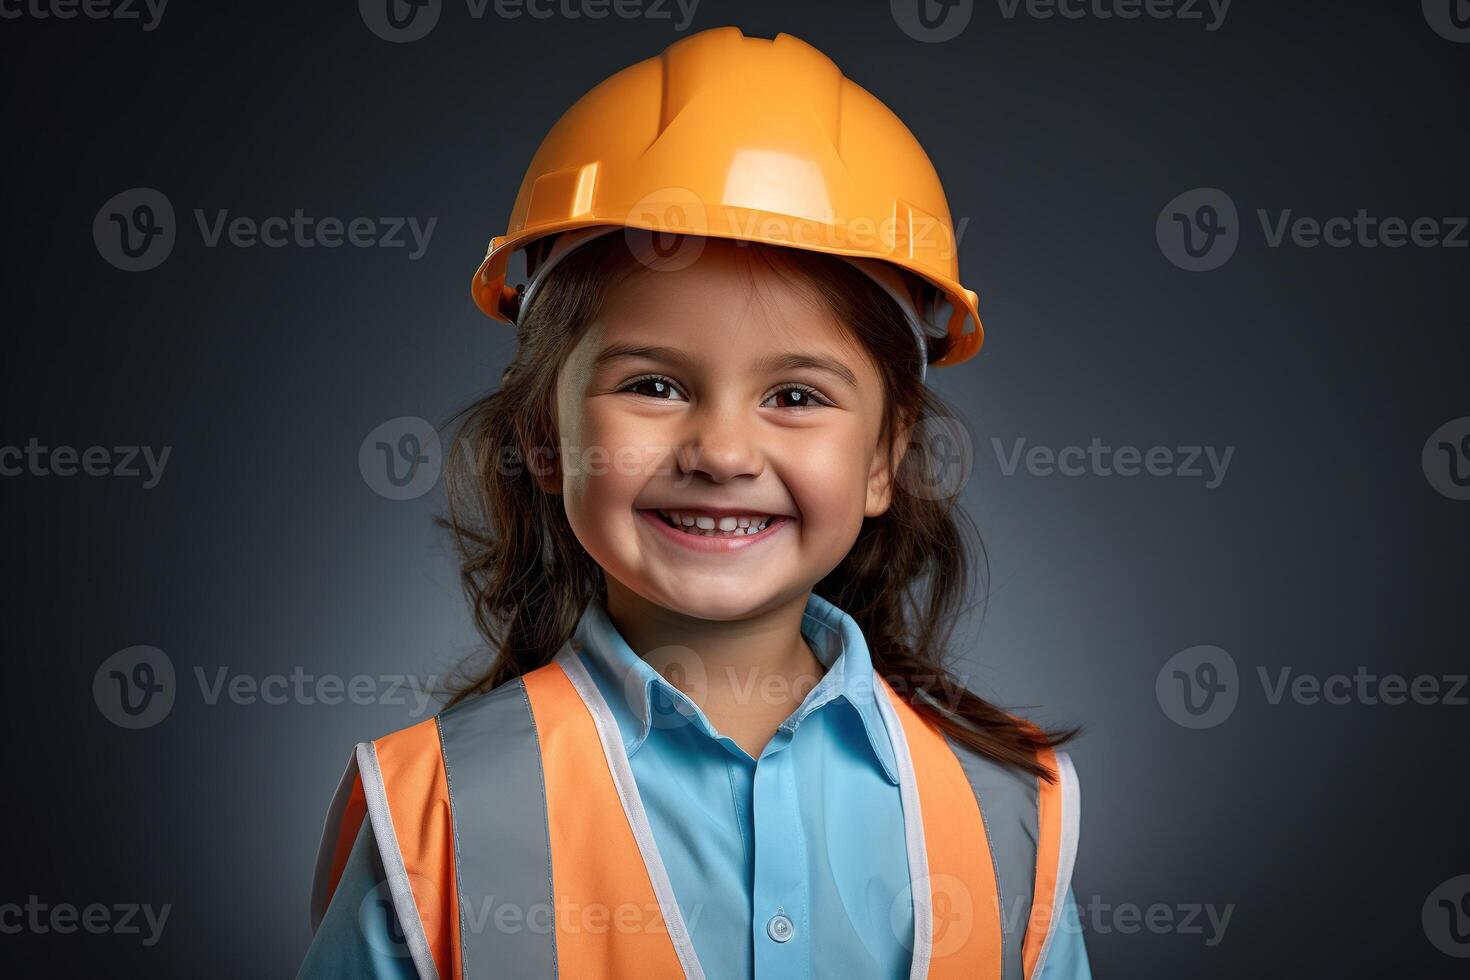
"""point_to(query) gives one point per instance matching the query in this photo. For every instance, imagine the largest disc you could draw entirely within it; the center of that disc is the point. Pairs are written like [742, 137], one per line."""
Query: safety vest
[507, 854]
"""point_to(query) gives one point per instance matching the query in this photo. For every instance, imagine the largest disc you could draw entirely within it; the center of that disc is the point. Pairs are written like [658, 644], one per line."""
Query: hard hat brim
[965, 329]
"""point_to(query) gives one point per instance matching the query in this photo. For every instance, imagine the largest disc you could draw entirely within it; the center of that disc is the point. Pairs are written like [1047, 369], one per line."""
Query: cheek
[596, 490]
[608, 456]
[828, 479]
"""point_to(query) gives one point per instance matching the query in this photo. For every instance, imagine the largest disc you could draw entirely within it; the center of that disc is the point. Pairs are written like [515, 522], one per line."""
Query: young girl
[716, 737]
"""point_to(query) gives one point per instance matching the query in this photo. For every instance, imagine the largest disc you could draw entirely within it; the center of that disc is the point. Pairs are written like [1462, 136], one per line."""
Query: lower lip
[710, 543]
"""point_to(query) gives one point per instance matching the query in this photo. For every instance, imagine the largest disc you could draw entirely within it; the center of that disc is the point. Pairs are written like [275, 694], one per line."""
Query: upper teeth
[748, 524]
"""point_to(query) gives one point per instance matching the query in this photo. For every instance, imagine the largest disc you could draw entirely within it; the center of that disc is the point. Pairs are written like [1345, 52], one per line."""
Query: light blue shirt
[805, 842]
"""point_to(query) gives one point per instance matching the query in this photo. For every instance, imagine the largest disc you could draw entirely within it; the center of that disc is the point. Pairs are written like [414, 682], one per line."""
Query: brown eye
[651, 387]
[797, 396]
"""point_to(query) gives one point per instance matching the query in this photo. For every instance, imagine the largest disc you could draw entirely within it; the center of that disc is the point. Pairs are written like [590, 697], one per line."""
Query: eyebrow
[788, 361]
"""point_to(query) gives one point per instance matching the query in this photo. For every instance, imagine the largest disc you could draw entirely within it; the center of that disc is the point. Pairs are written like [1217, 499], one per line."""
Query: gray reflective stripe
[326, 851]
[502, 848]
[913, 827]
[627, 787]
[1008, 806]
[1066, 854]
[397, 874]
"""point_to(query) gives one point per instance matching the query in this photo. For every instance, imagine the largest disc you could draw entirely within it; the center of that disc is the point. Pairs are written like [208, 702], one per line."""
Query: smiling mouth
[708, 526]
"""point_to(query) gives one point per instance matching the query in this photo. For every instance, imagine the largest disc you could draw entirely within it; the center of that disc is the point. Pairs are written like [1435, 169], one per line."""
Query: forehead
[724, 297]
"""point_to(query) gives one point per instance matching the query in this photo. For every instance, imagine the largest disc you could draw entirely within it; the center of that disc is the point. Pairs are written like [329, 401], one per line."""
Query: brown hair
[903, 581]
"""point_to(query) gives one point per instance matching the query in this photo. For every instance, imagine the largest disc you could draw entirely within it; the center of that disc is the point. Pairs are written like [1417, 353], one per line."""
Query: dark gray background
[263, 549]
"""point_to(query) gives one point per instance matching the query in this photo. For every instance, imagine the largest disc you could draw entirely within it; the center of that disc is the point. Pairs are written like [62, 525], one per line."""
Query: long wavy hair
[905, 580]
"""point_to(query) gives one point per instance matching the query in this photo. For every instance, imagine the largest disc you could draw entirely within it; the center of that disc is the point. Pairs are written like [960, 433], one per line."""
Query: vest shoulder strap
[957, 935]
[397, 784]
[1032, 827]
[507, 840]
[994, 851]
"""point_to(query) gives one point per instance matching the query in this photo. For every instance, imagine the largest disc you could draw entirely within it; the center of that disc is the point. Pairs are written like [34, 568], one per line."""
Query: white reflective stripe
[1066, 852]
[913, 828]
[627, 787]
[398, 882]
[326, 850]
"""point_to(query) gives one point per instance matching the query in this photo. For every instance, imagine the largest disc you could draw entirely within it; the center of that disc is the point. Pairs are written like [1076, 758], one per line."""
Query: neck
[756, 668]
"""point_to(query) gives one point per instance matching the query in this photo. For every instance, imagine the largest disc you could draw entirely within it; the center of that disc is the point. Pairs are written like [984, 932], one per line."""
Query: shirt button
[779, 928]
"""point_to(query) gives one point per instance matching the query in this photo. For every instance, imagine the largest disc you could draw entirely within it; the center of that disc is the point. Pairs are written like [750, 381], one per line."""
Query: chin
[715, 609]
[717, 598]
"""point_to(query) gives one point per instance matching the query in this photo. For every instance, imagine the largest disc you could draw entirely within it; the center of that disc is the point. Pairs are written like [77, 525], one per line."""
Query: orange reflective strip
[966, 907]
[418, 804]
[352, 817]
[1048, 854]
[608, 920]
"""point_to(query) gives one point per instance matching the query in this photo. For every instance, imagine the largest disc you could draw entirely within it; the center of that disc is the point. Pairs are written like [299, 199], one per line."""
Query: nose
[721, 443]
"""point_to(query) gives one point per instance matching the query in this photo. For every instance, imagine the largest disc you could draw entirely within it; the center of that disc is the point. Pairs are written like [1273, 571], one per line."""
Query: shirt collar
[639, 696]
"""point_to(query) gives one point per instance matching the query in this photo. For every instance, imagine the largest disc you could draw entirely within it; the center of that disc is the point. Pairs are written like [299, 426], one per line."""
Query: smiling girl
[716, 736]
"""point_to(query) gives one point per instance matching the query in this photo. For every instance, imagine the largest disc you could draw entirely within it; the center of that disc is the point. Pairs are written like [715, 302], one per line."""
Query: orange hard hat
[729, 136]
